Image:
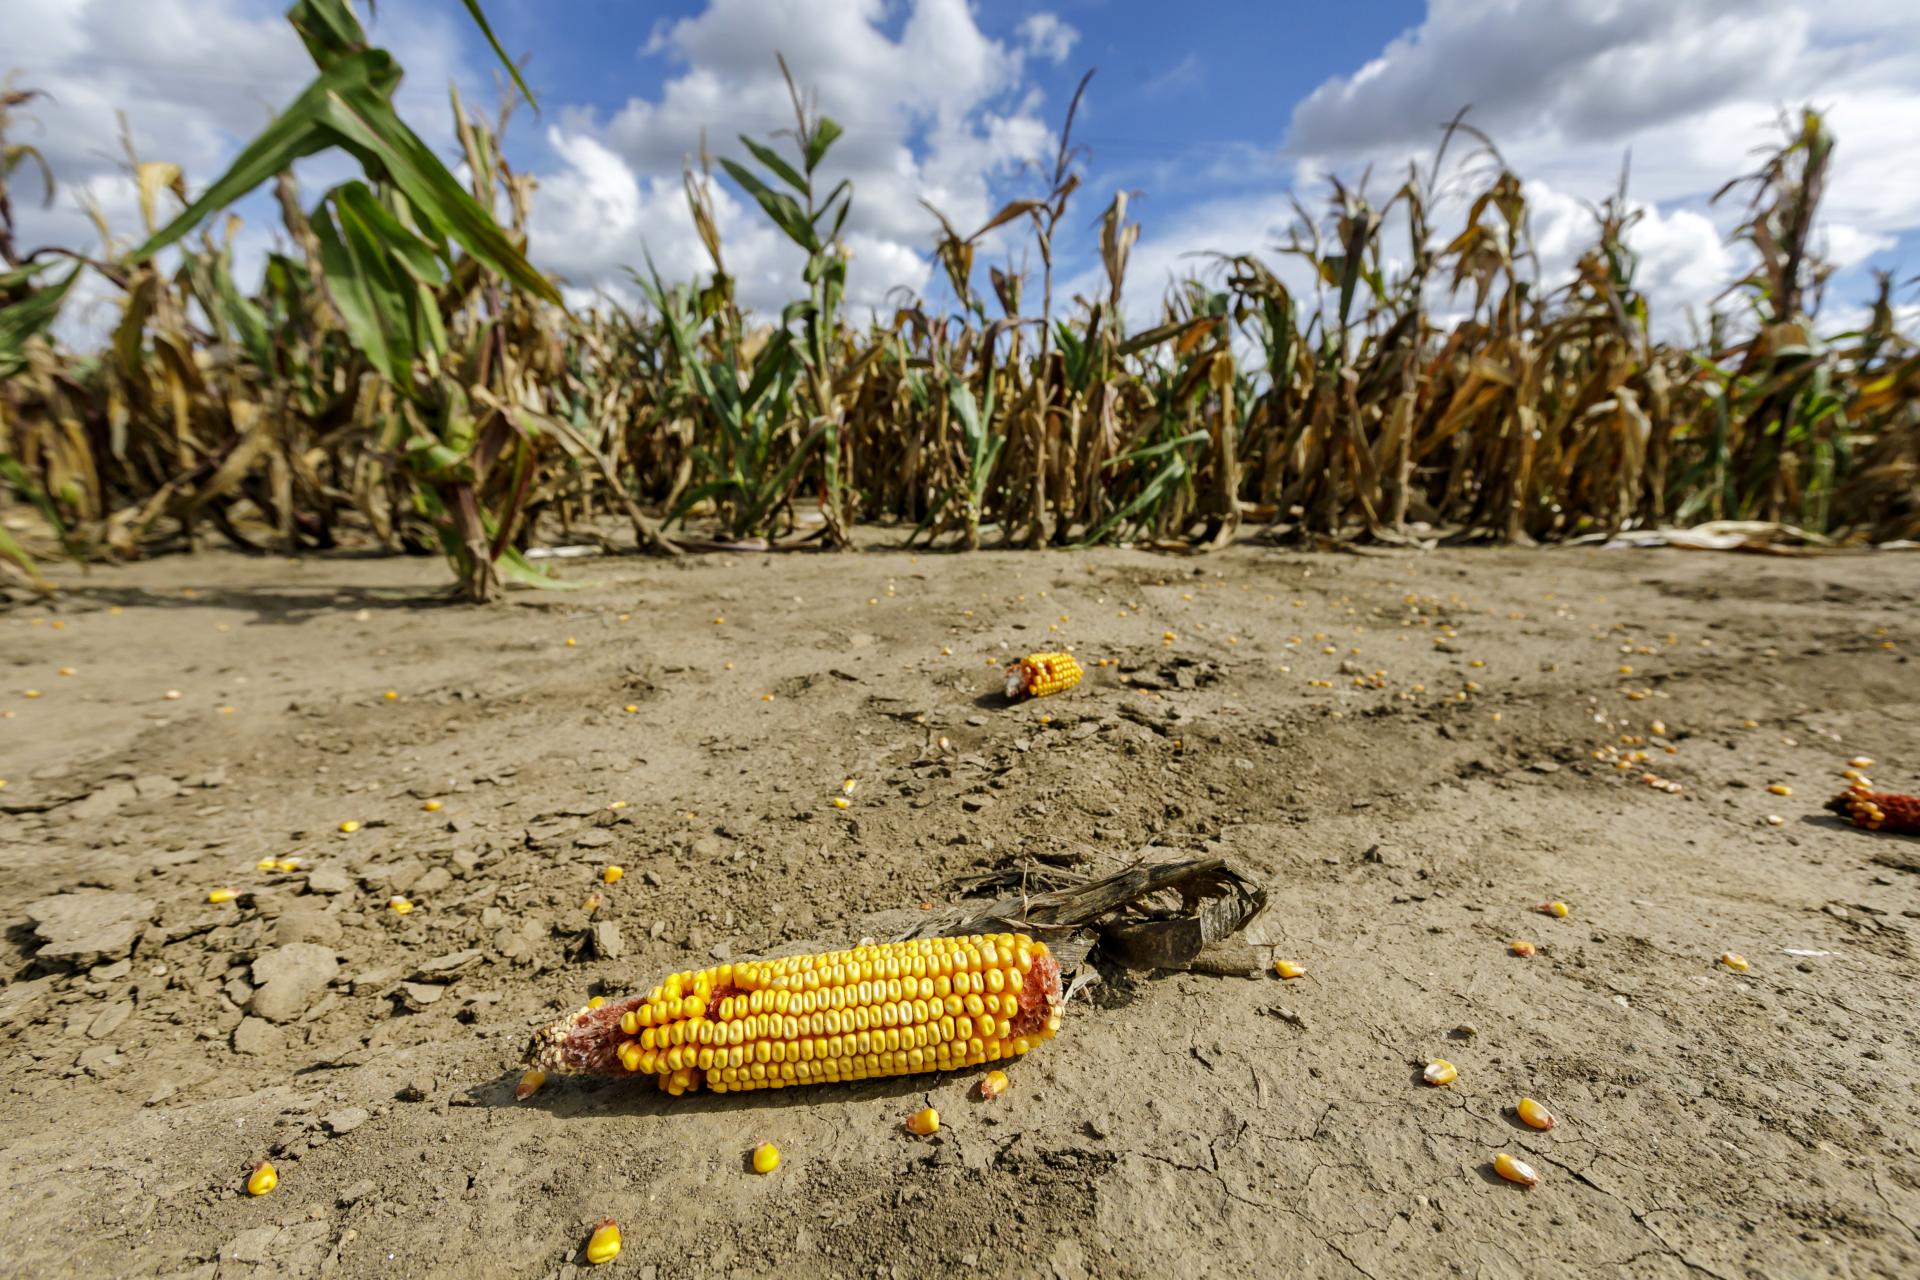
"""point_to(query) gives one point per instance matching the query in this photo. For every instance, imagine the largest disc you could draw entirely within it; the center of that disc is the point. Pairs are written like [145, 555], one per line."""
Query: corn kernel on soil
[1126, 1119]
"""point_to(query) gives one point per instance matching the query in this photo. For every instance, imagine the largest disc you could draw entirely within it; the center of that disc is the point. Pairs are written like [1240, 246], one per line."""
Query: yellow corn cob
[931, 1004]
[1039, 674]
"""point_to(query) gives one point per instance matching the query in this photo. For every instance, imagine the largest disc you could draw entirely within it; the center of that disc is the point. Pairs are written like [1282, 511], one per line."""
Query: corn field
[404, 370]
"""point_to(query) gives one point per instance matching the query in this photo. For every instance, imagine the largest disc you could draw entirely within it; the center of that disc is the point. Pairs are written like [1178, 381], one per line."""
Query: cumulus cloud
[937, 111]
[1044, 35]
[1571, 88]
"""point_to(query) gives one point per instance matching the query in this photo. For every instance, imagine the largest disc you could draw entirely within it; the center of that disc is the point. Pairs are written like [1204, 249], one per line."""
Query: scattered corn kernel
[1515, 1170]
[222, 895]
[391, 695]
[66, 671]
[431, 806]
[1861, 762]
[1775, 820]
[766, 1158]
[631, 707]
[841, 802]
[604, 1245]
[1440, 1072]
[924, 1121]
[1521, 947]
[350, 826]
[263, 1179]
[1288, 969]
[400, 905]
[993, 1084]
[570, 642]
[1558, 910]
[594, 1002]
[1779, 789]
[530, 1082]
[172, 695]
[265, 864]
[1734, 961]
[612, 874]
[1533, 1114]
[594, 902]
[287, 866]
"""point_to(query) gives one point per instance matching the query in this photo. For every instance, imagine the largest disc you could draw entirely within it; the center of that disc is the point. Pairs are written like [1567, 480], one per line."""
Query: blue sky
[1214, 114]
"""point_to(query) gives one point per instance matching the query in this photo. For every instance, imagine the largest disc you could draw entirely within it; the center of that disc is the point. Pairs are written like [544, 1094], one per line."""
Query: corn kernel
[431, 806]
[1734, 961]
[570, 642]
[222, 895]
[263, 1179]
[924, 1121]
[1775, 820]
[530, 1082]
[604, 1245]
[766, 1158]
[1521, 947]
[391, 695]
[612, 874]
[594, 902]
[993, 1084]
[287, 866]
[1518, 1171]
[1288, 969]
[1439, 1072]
[1861, 762]
[66, 671]
[1558, 910]
[594, 1002]
[841, 802]
[265, 864]
[1533, 1114]
[350, 826]
[400, 905]
[1779, 789]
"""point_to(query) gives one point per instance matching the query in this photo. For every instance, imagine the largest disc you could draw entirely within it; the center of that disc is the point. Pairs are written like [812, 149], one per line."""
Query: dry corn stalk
[897, 1008]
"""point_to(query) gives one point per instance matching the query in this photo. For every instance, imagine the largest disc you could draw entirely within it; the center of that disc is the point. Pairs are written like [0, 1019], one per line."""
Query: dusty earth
[1724, 1124]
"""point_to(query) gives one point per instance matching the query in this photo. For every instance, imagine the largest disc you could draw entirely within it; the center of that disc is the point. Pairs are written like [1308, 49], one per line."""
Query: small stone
[418, 995]
[99, 1060]
[974, 804]
[289, 978]
[418, 1088]
[88, 927]
[328, 880]
[258, 1037]
[357, 1192]
[607, 943]
[156, 786]
[306, 923]
[108, 1020]
[436, 880]
[344, 1121]
[443, 968]
[593, 839]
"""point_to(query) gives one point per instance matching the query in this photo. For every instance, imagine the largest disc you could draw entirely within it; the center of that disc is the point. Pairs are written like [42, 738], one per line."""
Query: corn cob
[1878, 810]
[1039, 674]
[931, 1004]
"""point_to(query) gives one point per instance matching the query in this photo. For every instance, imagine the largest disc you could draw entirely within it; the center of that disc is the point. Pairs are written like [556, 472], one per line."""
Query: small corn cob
[1878, 810]
[1039, 674]
[931, 1004]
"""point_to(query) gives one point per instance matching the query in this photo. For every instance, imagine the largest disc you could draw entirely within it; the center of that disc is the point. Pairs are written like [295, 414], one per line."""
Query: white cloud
[1045, 36]
[1568, 88]
[939, 112]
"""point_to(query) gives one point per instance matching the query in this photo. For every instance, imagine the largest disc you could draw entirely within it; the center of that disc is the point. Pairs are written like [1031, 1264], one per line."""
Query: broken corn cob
[1040, 674]
[1878, 810]
[930, 1004]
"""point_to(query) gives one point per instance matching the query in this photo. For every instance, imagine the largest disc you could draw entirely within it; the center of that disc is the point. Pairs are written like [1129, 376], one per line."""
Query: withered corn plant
[403, 371]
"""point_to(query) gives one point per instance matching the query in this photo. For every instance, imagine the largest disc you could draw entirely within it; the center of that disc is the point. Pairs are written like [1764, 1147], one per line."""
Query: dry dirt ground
[1711, 1123]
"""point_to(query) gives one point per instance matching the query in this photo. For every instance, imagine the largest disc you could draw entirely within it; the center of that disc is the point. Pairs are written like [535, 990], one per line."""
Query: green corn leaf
[824, 134]
[771, 158]
[480, 20]
[26, 318]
